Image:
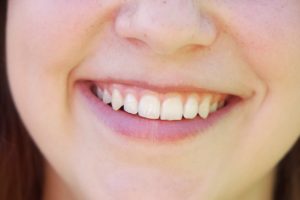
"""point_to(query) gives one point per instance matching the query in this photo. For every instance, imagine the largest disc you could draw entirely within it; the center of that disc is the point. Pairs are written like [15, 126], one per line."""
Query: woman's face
[164, 60]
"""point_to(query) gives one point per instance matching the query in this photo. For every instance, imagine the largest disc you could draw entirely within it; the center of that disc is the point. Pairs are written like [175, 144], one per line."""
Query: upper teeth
[149, 107]
[191, 107]
[106, 98]
[117, 100]
[172, 107]
[131, 104]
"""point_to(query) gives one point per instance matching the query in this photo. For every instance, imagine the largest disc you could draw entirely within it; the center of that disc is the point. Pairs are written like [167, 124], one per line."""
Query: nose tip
[165, 29]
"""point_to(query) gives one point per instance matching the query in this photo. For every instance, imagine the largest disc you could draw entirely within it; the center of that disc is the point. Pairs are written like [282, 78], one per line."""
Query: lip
[156, 88]
[134, 127]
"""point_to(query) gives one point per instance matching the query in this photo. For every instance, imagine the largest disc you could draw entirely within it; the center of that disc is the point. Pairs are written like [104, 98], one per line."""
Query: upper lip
[165, 87]
[167, 80]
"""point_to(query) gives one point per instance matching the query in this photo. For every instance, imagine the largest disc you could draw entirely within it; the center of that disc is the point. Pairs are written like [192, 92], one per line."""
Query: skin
[240, 45]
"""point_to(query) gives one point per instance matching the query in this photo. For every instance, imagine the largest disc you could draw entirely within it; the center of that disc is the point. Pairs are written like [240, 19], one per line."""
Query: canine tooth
[213, 107]
[106, 97]
[130, 104]
[172, 108]
[117, 100]
[149, 107]
[204, 106]
[191, 108]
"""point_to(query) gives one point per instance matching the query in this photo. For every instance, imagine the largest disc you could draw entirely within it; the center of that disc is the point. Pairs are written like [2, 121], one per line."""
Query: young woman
[160, 99]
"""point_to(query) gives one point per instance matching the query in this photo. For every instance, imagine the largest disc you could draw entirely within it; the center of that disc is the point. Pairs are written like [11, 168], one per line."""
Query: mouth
[144, 112]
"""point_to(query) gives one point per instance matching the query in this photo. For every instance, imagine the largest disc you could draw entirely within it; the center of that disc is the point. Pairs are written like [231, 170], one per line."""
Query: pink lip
[135, 127]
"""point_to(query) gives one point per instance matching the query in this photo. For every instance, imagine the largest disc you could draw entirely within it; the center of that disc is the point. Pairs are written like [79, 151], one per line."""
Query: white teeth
[191, 108]
[117, 100]
[130, 104]
[213, 107]
[204, 106]
[106, 97]
[99, 93]
[149, 107]
[172, 108]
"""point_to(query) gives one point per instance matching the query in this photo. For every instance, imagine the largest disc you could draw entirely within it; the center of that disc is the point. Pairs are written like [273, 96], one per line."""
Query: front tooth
[204, 106]
[149, 107]
[172, 108]
[191, 108]
[130, 104]
[106, 97]
[117, 100]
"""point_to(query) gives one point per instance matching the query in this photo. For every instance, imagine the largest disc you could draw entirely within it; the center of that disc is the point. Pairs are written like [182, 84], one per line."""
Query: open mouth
[163, 106]
[157, 115]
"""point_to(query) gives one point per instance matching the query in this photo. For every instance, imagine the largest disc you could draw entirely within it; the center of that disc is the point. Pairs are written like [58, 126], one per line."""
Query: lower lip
[134, 127]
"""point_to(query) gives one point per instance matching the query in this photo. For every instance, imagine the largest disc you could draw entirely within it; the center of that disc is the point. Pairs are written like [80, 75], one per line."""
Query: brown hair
[21, 163]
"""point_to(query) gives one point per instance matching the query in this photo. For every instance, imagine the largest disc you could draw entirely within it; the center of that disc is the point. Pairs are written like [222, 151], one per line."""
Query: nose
[165, 26]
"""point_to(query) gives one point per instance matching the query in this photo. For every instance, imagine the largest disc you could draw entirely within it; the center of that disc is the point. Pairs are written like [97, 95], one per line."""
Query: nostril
[191, 48]
[136, 42]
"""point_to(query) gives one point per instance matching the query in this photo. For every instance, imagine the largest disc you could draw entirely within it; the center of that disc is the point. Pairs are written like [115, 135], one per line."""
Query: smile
[155, 114]
[164, 106]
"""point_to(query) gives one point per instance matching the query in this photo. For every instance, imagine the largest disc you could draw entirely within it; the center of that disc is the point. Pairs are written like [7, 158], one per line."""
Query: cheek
[55, 34]
[268, 36]
[43, 37]
[45, 41]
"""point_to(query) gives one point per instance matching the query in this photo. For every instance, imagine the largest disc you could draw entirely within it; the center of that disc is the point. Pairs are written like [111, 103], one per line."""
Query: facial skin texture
[245, 46]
